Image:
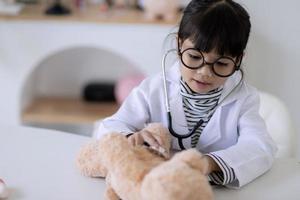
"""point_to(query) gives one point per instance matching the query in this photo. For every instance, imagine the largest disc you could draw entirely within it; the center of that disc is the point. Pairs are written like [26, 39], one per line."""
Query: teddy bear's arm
[109, 193]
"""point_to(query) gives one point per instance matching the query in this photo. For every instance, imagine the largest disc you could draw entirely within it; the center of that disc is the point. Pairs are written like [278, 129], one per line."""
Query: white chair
[279, 124]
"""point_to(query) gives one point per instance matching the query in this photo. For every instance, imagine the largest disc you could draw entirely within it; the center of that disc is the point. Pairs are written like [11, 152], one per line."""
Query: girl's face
[201, 80]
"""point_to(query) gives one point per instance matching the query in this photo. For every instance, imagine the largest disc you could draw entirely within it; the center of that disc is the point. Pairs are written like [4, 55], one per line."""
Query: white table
[39, 164]
[282, 182]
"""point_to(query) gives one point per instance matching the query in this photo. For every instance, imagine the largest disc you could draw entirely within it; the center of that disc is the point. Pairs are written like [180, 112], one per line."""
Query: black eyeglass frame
[237, 66]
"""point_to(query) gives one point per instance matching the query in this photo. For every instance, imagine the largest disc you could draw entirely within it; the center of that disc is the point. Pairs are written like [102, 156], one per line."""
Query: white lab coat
[236, 132]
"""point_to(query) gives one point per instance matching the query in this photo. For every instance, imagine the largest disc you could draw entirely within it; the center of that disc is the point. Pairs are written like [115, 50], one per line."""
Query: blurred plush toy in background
[126, 84]
[161, 9]
[137, 173]
[3, 190]
[122, 3]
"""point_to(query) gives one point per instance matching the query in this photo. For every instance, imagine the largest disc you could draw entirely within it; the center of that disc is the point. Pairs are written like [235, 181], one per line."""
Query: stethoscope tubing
[163, 64]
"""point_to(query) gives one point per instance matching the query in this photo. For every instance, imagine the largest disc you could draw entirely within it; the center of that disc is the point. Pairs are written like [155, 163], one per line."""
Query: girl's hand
[212, 165]
[145, 136]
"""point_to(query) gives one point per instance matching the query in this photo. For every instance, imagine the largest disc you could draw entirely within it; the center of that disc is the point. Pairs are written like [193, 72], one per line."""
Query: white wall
[273, 55]
[27, 44]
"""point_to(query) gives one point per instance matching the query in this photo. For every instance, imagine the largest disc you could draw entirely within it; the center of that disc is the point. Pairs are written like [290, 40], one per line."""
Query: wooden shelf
[67, 111]
[91, 13]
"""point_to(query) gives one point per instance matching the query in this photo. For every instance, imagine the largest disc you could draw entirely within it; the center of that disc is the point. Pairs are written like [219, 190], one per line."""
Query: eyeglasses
[223, 66]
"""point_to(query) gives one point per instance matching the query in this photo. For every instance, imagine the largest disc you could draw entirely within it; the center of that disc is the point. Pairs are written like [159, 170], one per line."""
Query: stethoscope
[180, 137]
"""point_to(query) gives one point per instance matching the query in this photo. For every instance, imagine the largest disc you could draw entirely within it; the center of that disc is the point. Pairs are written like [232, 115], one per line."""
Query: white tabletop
[282, 182]
[39, 164]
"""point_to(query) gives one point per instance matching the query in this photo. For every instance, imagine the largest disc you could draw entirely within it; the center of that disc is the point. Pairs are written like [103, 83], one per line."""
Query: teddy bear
[161, 9]
[144, 173]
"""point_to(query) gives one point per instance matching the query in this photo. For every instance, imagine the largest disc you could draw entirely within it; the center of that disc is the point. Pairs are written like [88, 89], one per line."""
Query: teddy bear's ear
[193, 158]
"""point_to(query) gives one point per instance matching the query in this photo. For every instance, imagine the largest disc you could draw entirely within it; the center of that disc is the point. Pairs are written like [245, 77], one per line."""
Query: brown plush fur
[135, 173]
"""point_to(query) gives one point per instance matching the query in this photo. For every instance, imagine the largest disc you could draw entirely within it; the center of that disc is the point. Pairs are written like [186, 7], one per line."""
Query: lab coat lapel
[212, 131]
[230, 91]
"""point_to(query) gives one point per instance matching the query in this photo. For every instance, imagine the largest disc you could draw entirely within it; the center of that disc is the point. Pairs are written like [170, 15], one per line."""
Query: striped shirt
[198, 107]
[201, 107]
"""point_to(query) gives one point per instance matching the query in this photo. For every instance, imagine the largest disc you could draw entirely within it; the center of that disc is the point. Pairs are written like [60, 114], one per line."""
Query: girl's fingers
[138, 139]
[131, 140]
[159, 140]
[148, 137]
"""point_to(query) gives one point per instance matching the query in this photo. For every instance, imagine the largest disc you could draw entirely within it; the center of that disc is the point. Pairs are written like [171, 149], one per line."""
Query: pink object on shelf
[126, 84]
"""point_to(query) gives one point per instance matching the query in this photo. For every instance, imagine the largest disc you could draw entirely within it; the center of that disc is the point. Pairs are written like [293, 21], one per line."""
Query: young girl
[207, 96]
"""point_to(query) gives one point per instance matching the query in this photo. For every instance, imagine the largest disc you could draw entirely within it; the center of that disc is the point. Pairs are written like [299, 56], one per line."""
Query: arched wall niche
[64, 73]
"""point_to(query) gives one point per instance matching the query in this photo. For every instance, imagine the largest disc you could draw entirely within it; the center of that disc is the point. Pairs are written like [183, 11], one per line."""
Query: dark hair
[221, 25]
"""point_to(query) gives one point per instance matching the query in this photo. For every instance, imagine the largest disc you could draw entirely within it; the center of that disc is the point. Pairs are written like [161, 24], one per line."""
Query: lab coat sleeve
[254, 152]
[223, 177]
[131, 116]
